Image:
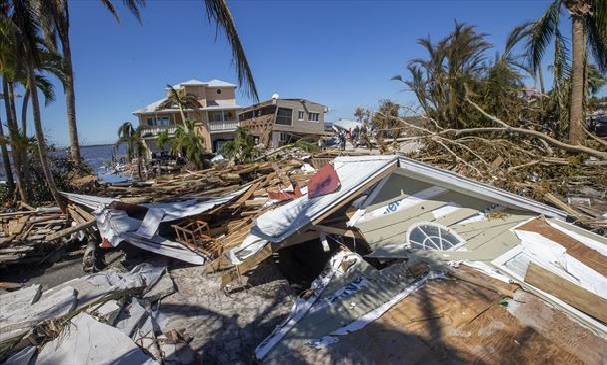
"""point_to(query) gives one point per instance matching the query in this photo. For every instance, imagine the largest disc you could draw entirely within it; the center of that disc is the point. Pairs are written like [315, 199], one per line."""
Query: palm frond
[596, 33]
[218, 12]
[47, 88]
[542, 32]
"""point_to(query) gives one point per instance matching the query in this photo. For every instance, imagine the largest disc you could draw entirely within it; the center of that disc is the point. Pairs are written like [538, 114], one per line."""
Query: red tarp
[324, 182]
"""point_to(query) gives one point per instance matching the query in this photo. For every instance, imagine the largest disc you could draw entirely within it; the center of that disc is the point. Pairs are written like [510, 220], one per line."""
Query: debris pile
[111, 309]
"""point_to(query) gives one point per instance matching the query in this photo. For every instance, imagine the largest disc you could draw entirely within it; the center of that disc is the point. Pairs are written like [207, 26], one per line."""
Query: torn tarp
[116, 225]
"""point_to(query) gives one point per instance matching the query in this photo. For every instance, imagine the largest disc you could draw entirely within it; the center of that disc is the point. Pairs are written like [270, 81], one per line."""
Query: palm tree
[10, 67]
[188, 143]
[588, 31]
[55, 18]
[439, 82]
[162, 138]
[187, 101]
[135, 145]
[23, 16]
[8, 171]
[242, 148]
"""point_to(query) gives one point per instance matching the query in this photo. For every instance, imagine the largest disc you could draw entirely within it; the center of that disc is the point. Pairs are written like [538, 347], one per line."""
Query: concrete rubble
[323, 259]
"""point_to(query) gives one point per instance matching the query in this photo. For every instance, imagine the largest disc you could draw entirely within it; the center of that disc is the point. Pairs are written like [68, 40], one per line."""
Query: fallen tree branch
[567, 147]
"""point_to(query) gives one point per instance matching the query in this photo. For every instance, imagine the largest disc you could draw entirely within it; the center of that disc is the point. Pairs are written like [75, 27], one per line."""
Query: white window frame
[301, 115]
[440, 227]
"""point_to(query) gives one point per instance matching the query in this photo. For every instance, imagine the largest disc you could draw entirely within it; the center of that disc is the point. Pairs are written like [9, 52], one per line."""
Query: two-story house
[216, 119]
[280, 121]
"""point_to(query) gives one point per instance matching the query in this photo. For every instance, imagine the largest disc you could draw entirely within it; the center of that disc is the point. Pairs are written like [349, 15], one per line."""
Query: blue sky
[339, 53]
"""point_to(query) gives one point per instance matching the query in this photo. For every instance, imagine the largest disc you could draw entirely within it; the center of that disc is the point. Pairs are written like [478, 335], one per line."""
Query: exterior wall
[261, 119]
[210, 131]
[227, 93]
[196, 90]
[304, 125]
[486, 236]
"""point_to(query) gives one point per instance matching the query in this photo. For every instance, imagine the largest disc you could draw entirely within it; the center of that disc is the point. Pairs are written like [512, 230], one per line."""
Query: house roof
[271, 101]
[347, 124]
[355, 174]
[212, 83]
[150, 108]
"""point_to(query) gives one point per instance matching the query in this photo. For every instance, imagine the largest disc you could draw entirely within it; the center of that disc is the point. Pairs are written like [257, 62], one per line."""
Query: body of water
[97, 157]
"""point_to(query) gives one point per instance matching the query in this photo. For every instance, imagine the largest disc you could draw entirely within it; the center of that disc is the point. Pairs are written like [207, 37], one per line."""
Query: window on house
[284, 116]
[313, 117]
[159, 121]
[432, 236]
[218, 91]
[300, 115]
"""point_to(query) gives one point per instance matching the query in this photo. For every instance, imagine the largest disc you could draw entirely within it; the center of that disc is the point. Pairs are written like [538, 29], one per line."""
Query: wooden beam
[247, 265]
[296, 238]
[69, 230]
[345, 232]
[586, 255]
[572, 294]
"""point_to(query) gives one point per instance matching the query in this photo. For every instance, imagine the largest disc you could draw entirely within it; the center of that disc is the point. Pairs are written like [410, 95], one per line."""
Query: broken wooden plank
[247, 265]
[563, 206]
[572, 294]
[345, 232]
[586, 255]
[69, 230]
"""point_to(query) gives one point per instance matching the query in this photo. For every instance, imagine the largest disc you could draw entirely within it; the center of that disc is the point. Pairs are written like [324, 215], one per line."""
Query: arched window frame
[438, 242]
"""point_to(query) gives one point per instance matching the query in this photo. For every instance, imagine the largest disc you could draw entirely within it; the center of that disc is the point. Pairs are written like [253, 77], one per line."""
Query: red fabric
[324, 182]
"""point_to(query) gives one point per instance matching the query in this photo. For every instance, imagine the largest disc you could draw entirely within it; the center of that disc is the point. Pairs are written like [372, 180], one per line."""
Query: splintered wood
[24, 234]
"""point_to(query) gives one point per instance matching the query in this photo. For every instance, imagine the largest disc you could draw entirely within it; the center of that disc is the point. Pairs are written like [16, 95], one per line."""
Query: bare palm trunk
[70, 95]
[13, 133]
[185, 125]
[40, 137]
[576, 127]
[8, 172]
[24, 104]
[70, 100]
[541, 76]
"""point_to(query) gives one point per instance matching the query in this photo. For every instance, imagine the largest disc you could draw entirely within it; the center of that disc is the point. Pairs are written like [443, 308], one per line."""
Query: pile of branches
[522, 161]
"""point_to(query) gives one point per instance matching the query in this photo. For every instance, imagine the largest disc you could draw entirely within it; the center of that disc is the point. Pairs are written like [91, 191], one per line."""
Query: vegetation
[135, 145]
[34, 41]
[54, 18]
[188, 143]
[242, 148]
[589, 32]
[162, 139]
[187, 101]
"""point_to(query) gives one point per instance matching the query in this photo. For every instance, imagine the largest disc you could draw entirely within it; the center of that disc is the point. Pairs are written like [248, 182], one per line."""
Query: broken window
[432, 236]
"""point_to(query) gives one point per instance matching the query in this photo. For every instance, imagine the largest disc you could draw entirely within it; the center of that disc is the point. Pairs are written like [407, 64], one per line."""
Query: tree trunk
[541, 76]
[40, 137]
[8, 172]
[26, 98]
[13, 132]
[576, 115]
[70, 95]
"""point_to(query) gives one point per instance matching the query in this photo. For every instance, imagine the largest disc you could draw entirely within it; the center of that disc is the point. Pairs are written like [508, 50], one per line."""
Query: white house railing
[223, 126]
[154, 131]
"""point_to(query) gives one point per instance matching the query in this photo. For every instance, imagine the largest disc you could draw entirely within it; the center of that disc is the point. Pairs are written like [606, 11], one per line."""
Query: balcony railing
[153, 131]
[223, 126]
